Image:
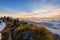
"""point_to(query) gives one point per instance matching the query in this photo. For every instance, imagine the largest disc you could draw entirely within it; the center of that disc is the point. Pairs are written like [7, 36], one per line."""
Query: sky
[30, 8]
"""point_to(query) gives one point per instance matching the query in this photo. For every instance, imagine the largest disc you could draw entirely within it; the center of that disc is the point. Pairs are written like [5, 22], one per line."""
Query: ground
[39, 33]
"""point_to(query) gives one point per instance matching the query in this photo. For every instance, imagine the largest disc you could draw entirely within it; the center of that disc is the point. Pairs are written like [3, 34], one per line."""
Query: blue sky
[29, 7]
[20, 5]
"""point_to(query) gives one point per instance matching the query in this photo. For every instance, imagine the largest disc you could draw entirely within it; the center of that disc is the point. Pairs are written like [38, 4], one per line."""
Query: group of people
[3, 21]
[2, 26]
[27, 34]
[6, 19]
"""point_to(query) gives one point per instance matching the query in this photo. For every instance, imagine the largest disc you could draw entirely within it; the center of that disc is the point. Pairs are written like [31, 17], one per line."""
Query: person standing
[2, 27]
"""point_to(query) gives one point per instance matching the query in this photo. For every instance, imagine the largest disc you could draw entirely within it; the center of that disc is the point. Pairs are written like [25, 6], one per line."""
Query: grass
[39, 33]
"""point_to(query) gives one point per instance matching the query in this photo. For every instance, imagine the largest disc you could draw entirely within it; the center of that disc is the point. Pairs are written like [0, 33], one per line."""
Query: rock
[56, 37]
[27, 35]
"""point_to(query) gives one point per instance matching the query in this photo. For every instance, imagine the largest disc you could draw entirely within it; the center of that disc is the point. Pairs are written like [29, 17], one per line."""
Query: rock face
[27, 35]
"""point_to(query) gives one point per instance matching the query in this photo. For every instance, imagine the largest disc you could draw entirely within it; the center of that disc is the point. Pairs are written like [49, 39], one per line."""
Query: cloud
[8, 10]
[44, 10]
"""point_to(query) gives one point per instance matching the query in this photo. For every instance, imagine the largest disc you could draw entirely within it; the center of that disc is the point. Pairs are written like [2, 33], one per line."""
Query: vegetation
[39, 33]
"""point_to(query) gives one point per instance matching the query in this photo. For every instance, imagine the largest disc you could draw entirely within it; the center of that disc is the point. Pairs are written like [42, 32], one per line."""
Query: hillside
[38, 33]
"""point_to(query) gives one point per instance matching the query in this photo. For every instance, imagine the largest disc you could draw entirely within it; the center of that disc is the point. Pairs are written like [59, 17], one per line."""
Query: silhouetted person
[7, 19]
[4, 18]
[15, 25]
